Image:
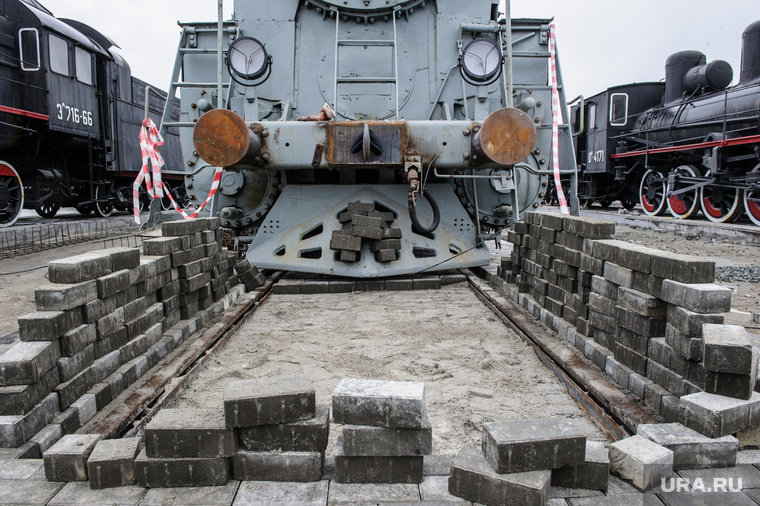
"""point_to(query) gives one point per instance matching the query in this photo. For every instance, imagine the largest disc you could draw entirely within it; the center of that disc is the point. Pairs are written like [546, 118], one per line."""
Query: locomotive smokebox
[507, 137]
[221, 138]
[676, 67]
[715, 75]
[750, 54]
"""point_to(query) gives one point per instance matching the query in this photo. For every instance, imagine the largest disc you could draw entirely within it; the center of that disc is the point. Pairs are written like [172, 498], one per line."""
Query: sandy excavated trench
[475, 369]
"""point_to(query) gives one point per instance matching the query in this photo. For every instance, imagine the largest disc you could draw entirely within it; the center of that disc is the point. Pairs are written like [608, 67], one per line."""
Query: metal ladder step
[365, 80]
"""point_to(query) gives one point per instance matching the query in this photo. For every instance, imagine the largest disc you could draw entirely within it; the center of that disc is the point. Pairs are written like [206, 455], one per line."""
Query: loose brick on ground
[531, 445]
[67, 459]
[281, 399]
[640, 460]
[692, 450]
[473, 479]
[399, 404]
[112, 463]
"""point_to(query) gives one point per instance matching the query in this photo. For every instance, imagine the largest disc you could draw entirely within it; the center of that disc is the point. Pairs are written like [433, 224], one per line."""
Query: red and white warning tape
[150, 139]
[555, 122]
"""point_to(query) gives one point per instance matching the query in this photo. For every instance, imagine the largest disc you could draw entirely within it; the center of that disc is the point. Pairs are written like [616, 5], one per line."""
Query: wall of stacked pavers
[652, 320]
[105, 319]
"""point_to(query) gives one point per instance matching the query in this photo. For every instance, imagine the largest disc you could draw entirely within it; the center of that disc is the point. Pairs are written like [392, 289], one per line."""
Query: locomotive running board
[296, 233]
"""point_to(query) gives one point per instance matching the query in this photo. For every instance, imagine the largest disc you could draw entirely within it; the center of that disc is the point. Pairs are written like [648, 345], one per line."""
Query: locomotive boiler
[691, 143]
[70, 115]
[367, 138]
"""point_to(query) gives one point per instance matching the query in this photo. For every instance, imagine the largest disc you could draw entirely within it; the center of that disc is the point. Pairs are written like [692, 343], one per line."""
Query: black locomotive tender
[70, 114]
[691, 143]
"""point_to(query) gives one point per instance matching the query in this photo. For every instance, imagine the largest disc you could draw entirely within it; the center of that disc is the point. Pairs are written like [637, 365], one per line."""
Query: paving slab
[617, 500]
[189, 432]
[372, 493]
[699, 298]
[436, 489]
[706, 499]
[533, 445]
[473, 478]
[197, 496]
[67, 459]
[749, 475]
[19, 469]
[28, 492]
[280, 399]
[727, 349]
[78, 493]
[302, 436]
[640, 460]
[112, 463]
[716, 415]
[186, 472]
[270, 493]
[692, 450]
[378, 469]
[399, 404]
[363, 441]
[437, 465]
[278, 466]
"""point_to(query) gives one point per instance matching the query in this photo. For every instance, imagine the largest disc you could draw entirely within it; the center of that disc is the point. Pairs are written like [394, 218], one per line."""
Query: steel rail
[609, 408]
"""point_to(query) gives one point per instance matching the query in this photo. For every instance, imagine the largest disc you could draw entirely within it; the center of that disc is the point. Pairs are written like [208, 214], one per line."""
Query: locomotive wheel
[11, 195]
[652, 193]
[103, 209]
[752, 199]
[605, 203]
[685, 205]
[719, 204]
[84, 209]
[49, 209]
[628, 204]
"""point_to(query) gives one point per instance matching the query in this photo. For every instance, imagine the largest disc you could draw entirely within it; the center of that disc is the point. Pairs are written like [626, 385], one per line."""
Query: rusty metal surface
[221, 138]
[614, 413]
[341, 135]
[153, 394]
[507, 136]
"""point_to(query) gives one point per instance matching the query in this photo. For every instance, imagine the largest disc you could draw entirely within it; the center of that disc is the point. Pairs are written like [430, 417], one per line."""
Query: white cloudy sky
[601, 42]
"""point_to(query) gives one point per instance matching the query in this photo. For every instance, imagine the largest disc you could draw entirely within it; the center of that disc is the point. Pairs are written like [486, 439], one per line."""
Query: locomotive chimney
[676, 67]
[750, 54]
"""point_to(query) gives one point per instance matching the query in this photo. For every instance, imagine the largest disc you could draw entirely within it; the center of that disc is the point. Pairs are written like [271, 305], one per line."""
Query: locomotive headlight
[248, 59]
[481, 61]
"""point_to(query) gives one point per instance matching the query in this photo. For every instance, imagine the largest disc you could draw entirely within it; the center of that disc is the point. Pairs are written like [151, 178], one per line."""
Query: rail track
[605, 405]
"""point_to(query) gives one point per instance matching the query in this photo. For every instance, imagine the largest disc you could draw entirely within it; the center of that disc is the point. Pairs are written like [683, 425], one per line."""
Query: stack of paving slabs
[202, 267]
[520, 460]
[250, 275]
[186, 448]
[652, 320]
[385, 431]
[361, 224]
[283, 434]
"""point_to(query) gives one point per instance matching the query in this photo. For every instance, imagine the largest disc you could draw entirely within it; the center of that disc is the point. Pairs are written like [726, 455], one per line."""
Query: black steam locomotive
[70, 114]
[691, 143]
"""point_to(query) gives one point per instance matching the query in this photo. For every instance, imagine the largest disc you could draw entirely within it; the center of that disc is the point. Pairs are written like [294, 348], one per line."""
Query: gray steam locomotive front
[364, 138]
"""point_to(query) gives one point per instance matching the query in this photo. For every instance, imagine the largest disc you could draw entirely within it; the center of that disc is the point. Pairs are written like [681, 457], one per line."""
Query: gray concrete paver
[77, 493]
[749, 475]
[19, 469]
[270, 493]
[372, 493]
[192, 496]
[706, 499]
[436, 489]
[29, 492]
